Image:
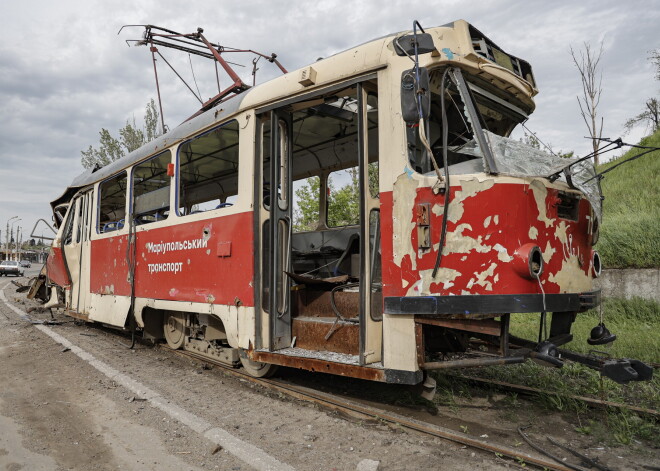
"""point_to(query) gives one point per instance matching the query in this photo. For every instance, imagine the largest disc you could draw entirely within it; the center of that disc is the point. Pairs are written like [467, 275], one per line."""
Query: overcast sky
[65, 73]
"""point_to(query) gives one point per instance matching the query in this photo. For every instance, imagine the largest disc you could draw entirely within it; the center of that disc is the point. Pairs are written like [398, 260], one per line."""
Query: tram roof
[365, 57]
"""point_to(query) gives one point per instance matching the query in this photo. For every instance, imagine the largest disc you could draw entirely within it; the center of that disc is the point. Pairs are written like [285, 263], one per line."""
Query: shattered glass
[515, 158]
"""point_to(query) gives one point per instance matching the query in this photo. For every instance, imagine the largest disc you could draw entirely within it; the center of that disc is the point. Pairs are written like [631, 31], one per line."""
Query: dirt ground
[59, 412]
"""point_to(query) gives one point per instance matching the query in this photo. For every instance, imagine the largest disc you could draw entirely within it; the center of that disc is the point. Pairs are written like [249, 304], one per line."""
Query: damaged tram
[365, 216]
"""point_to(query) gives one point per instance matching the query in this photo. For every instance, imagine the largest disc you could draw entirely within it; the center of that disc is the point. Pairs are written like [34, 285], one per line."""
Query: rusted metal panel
[77, 315]
[419, 341]
[312, 303]
[483, 326]
[472, 363]
[56, 268]
[311, 334]
[318, 365]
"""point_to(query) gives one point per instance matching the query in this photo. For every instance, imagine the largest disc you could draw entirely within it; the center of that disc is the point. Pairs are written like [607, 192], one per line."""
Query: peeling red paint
[500, 219]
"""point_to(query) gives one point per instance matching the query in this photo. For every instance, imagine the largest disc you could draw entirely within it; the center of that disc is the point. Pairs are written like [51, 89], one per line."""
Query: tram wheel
[258, 369]
[173, 327]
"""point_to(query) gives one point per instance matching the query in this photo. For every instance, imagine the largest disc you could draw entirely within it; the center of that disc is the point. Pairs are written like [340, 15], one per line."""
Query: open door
[276, 227]
[318, 227]
[371, 325]
[76, 249]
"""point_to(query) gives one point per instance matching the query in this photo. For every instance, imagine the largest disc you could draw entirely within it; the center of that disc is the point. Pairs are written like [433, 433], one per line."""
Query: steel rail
[590, 401]
[362, 412]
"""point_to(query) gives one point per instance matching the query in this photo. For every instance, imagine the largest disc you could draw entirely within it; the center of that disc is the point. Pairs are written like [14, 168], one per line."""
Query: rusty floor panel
[314, 303]
[320, 365]
[310, 333]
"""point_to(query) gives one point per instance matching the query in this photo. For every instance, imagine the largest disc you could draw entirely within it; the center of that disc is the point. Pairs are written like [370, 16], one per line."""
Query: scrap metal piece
[546, 453]
[584, 458]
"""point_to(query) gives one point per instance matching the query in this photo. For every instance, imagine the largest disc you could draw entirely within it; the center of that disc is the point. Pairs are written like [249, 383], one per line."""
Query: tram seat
[112, 226]
[224, 205]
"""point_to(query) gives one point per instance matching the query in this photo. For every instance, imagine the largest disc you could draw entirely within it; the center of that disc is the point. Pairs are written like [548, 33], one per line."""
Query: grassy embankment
[630, 233]
[630, 238]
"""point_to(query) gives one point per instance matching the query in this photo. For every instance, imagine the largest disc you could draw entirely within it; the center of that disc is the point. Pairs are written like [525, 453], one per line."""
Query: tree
[531, 140]
[591, 79]
[655, 60]
[343, 202]
[650, 116]
[130, 138]
[306, 214]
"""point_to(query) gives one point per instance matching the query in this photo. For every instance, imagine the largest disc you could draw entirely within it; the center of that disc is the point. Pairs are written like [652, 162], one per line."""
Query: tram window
[343, 198]
[343, 195]
[460, 131]
[208, 171]
[151, 189]
[112, 204]
[306, 197]
[67, 234]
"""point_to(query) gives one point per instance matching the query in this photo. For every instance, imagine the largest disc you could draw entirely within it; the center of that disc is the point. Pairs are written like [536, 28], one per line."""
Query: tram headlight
[528, 261]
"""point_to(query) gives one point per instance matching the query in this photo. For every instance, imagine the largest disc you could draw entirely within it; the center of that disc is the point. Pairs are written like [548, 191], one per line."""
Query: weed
[464, 428]
[626, 426]
[511, 399]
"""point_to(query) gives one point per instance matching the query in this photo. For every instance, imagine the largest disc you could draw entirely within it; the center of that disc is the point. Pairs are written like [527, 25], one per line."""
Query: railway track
[589, 401]
[363, 412]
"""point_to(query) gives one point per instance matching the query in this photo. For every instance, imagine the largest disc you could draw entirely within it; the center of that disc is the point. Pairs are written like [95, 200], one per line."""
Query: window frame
[98, 202]
[131, 187]
[177, 169]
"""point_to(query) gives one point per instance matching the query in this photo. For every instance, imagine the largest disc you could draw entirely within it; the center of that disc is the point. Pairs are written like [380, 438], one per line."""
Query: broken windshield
[494, 111]
[498, 115]
[522, 160]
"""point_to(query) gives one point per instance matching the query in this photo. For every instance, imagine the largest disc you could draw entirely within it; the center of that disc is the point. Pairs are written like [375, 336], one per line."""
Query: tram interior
[325, 246]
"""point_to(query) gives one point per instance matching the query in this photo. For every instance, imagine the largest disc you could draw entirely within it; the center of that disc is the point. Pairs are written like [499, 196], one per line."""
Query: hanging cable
[445, 162]
[199, 94]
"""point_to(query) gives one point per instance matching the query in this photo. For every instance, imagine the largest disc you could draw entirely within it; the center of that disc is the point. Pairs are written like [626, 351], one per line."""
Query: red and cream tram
[366, 215]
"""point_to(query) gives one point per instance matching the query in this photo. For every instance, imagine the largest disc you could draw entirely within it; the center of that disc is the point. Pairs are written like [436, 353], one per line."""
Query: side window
[151, 189]
[67, 234]
[343, 195]
[112, 204]
[208, 171]
[306, 195]
[80, 207]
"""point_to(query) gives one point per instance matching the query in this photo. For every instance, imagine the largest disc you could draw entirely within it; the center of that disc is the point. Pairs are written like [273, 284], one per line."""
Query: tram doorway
[318, 247]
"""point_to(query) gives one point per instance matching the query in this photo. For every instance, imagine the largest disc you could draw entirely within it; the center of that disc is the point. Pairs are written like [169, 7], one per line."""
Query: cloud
[65, 72]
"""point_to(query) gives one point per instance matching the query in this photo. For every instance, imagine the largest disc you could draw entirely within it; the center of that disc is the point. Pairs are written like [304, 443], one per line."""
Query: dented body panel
[490, 220]
[208, 261]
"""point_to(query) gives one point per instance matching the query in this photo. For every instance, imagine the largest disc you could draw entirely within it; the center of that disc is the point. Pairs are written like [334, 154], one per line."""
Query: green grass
[636, 323]
[630, 232]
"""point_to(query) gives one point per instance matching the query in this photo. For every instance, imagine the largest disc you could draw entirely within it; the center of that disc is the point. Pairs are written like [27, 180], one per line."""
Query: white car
[11, 267]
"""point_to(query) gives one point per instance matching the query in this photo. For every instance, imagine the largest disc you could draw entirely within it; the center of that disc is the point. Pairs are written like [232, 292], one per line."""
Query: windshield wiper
[618, 143]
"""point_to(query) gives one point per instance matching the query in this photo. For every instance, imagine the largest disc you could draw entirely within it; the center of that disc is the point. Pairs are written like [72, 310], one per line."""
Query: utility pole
[18, 243]
[7, 238]
[11, 233]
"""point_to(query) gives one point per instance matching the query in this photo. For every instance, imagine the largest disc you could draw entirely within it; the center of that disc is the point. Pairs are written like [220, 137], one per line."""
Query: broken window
[151, 189]
[112, 204]
[522, 160]
[67, 234]
[208, 171]
[497, 112]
